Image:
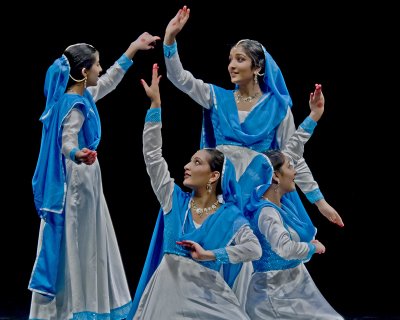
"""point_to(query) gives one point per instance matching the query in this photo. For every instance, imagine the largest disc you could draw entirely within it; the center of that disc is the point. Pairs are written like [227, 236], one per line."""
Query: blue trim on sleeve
[308, 125]
[312, 248]
[221, 255]
[314, 195]
[72, 154]
[125, 62]
[153, 115]
[170, 50]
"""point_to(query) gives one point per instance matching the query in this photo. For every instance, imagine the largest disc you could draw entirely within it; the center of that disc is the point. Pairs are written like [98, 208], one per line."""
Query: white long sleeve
[156, 166]
[72, 124]
[282, 242]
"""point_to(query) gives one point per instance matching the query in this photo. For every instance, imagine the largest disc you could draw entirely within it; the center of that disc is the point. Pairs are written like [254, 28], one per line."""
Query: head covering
[55, 84]
[290, 215]
[217, 228]
[221, 124]
[49, 180]
[274, 81]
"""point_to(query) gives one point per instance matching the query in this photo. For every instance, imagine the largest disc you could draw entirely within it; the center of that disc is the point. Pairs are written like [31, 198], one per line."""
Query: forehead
[238, 50]
[202, 155]
[288, 161]
[96, 56]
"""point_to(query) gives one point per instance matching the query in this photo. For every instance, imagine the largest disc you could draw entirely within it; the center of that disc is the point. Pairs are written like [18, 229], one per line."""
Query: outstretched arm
[317, 104]
[294, 147]
[156, 166]
[113, 76]
[181, 78]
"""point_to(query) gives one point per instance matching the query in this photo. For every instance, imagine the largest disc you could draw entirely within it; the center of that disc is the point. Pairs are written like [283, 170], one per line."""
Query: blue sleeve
[72, 155]
[308, 125]
[170, 50]
[125, 62]
[221, 255]
[311, 252]
[153, 115]
[314, 195]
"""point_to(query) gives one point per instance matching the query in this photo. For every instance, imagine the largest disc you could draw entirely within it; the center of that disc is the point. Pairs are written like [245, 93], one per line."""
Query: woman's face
[197, 171]
[286, 176]
[240, 66]
[93, 73]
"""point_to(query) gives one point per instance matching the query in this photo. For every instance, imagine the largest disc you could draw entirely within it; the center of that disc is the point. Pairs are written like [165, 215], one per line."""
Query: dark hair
[255, 51]
[80, 55]
[216, 164]
[276, 157]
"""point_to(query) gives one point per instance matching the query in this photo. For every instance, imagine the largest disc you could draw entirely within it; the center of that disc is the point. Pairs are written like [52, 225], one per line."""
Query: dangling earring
[255, 78]
[84, 82]
[209, 187]
[276, 187]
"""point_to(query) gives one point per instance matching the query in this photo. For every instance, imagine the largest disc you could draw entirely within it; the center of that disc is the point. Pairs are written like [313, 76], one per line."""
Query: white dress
[181, 288]
[289, 293]
[91, 281]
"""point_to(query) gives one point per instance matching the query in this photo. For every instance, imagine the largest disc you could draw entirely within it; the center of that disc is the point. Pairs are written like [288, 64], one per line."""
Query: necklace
[240, 98]
[201, 211]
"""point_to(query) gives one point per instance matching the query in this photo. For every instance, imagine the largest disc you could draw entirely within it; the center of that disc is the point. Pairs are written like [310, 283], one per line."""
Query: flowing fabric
[281, 287]
[222, 126]
[221, 123]
[216, 231]
[288, 211]
[49, 179]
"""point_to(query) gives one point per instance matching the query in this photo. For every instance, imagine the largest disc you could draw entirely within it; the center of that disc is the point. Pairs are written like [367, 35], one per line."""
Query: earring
[209, 187]
[84, 82]
[255, 78]
[276, 187]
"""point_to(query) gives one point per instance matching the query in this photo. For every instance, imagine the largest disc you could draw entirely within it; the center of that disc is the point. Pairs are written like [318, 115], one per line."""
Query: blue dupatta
[217, 230]
[221, 123]
[49, 179]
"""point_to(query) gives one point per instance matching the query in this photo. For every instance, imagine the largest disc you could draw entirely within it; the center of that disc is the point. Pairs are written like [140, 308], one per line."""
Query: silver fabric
[199, 91]
[183, 289]
[92, 276]
[71, 126]
[285, 294]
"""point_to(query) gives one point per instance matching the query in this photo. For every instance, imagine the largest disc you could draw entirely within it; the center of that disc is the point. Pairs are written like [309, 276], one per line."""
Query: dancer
[253, 117]
[78, 272]
[281, 287]
[204, 235]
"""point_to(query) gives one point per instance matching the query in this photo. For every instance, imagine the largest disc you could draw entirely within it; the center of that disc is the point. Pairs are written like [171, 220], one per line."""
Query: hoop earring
[209, 187]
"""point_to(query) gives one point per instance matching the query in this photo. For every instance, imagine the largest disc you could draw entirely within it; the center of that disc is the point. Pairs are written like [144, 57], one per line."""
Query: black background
[350, 154]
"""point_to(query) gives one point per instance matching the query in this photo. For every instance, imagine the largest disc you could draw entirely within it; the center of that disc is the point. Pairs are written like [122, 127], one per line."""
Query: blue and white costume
[172, 284]
[281, 287]
[241, 135]
[78, 272]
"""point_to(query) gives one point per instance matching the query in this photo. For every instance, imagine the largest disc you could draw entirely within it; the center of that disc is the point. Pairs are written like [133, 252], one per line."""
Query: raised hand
[145, 41]
[317, 103]
[176, 25]
[153, 91]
